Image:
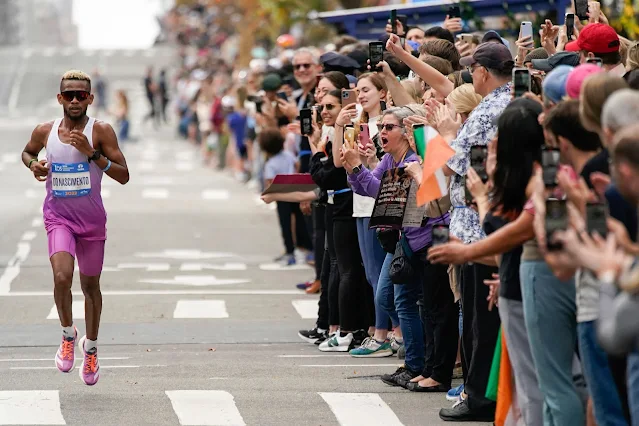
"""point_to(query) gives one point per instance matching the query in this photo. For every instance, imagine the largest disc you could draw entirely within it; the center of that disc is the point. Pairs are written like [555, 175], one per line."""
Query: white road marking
[149, 54]
[162, 293]
[26, 53]
[68, 51]
[309, 356]
[101, 366]
[105, 193]
[205, 407]
[129, 53]
[89, 52]
[307, 309]
[37, 222]
[32, 193]
[184, 254]
[200, 309]
[355, 409]
[77, 307]
[10, 158]
[155, 193]
[149, 267]
[184, 166]
[49, 51]
[280, 267]
[216, 194]
[185, 155]
[145, 166]
[108, 53]
[28, 236]
[13, 267]
[36, 407]
[157, 180]
[102, 358]
[194, 280]
[191, 267]
[349, 365]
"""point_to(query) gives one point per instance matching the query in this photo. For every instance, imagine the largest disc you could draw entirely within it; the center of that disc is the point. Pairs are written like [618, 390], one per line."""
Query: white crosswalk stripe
[209, 407]
[205, 407]
[200, 309]
[37, 407]
[77, 307]
[356, 409]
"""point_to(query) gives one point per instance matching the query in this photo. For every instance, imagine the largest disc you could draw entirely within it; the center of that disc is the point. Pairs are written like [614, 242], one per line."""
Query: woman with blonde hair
[464, 99]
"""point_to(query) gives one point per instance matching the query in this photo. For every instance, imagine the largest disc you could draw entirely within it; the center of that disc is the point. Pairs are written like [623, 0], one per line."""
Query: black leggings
[319, 237]
[355, 294]
[328, 312]
[440, 316]
[284, 212]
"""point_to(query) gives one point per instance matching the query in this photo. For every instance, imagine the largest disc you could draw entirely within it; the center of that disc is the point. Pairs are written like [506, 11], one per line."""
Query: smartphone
[349, 96]
[393, 20]
[306, 121]
[478, 155]
[375, 53]
[258, 105]
[596, 218]
[467, 38]
[454, 12]
[419, 136]
[468, 196]
[364, 131]
[521, 81]
[570, 25]
[382, 105]
[526, 30]
[317, 113]
[349, 136]
[556, 220]
[440, 234]
[282, 96]
[581, 9]
[596, 61]
[550, 166]
[404, 20]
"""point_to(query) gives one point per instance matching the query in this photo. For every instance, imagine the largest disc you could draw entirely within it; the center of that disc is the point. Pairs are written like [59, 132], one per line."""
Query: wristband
[31, 162]
[107, 167]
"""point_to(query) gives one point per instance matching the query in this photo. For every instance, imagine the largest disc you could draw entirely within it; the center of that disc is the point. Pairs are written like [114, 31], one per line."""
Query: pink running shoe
[65, 357]
[90, 370]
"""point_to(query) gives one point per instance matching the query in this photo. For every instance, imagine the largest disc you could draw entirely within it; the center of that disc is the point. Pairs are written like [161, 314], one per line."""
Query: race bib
[70, 180]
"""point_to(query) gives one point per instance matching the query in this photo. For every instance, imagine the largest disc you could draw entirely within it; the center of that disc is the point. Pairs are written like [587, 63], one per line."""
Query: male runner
[79, 150]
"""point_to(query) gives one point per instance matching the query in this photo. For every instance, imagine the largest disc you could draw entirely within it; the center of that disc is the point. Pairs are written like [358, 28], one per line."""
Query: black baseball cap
[559, 58]
[490, 55]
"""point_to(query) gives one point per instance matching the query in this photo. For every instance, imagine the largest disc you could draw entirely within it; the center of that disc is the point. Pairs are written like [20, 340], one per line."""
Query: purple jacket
[367, 183]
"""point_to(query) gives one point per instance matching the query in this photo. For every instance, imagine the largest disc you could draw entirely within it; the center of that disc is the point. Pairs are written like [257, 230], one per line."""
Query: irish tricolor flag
[436, 154]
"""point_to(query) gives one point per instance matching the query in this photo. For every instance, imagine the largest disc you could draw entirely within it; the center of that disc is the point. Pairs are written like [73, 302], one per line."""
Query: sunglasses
[389, 127]
[80, 95]
[330, 107]
[299, 66]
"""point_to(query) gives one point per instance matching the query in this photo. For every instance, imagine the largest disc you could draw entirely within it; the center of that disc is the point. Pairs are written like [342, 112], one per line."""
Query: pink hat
[576, 78]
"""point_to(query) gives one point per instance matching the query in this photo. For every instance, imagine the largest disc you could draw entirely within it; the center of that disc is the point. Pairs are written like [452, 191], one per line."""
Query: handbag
[401, 268]
[388, 239]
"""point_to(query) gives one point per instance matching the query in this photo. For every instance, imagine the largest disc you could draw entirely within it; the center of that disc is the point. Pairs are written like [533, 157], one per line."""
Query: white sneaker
[337, 343]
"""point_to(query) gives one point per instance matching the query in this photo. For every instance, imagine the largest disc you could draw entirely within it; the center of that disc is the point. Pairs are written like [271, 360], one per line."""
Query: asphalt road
[198, 325]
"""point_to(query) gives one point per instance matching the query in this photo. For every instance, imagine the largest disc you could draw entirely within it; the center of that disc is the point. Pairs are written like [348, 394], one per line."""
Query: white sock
[90, 344]
[68, 331]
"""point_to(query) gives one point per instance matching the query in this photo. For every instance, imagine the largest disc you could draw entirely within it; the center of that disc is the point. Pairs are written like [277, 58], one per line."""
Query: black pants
[440, 316]
[479, 334]
[284, 212]
[328, 312]
[319, 237]
[354, 290]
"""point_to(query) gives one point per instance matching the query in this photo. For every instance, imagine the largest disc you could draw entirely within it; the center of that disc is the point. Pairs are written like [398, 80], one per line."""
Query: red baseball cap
[572, 46]
[598, 38]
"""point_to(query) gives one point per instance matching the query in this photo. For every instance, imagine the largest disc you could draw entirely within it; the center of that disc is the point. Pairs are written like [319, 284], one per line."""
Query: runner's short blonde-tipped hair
[76, 75]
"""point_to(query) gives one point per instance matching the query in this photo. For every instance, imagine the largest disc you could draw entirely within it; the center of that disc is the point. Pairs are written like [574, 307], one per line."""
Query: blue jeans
[550, 312]
[373, 256]
[633, 386]
[407, 311]
[601, 385]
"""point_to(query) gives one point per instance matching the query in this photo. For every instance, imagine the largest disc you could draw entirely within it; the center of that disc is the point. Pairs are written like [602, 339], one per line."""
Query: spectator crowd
[523, 276]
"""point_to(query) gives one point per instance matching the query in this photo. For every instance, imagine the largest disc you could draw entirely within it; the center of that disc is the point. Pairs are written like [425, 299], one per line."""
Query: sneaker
[65, 356]
[401, 375]
[401, 352]
[90, 370]
[337, 343]
[312, 336]
[455, 393]
[461, 412]
[289, 260]
[394, 344]
[304, 286]
[371, 348]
